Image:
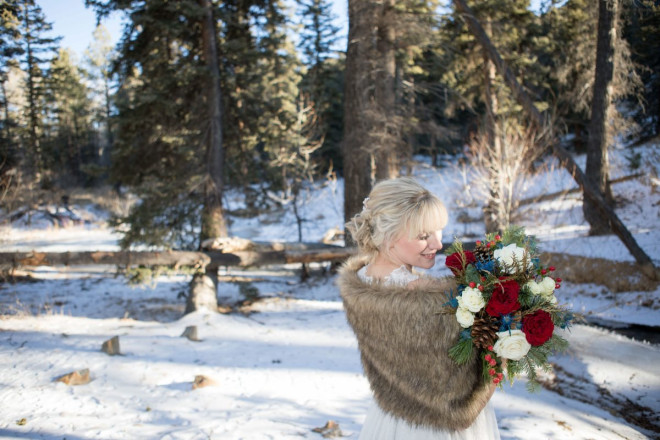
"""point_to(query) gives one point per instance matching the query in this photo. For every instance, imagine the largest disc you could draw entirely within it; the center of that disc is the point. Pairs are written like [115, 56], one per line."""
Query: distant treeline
[199, 95]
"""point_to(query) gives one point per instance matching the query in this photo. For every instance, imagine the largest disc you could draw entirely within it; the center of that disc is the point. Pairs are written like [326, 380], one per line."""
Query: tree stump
[191, 333]
[203, 292]
[111, 346]
[330, 430]
[80, 377]
[202, 381]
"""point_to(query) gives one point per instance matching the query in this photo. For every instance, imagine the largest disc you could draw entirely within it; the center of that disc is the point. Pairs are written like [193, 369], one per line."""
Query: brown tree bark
[203, 287]
[597, 168]
[564, 157]
[213, 222]
[387, 163]
[493, 220]
[357, 96]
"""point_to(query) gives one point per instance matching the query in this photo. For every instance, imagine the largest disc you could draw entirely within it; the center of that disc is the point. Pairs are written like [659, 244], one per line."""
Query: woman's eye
[423, 237]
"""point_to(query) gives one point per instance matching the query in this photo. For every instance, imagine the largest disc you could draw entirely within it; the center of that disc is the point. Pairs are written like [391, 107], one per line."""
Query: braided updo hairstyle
[393, 207]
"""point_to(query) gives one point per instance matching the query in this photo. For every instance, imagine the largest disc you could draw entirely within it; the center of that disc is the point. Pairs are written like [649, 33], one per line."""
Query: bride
[403, 327]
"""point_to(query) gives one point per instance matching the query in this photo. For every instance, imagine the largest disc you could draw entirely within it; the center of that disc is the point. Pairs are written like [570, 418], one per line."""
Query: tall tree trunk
[5, 108]
[213, 222]
[33, 116]
[387, 163]
[203, 287]
[493, 220]
[597, 161]
[357, 94]
[564, 157]
[105, 154]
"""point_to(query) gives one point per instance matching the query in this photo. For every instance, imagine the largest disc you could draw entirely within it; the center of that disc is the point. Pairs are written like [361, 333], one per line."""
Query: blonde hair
[394, 206]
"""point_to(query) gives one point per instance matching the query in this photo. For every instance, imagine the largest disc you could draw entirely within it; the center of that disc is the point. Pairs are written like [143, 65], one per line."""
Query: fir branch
[556, 344]
[456, 246]
[462, 351]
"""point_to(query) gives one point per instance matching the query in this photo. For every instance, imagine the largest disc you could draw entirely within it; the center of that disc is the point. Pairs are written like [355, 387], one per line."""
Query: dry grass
[617, 276]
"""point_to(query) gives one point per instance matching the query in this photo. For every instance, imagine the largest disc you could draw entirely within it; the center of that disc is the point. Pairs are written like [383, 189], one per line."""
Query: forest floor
[282, 357]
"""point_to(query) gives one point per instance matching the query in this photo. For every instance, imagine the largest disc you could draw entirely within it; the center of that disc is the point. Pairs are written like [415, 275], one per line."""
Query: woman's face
[417, 251]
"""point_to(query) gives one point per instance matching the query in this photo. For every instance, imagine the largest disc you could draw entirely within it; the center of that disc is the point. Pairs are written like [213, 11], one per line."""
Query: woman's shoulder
[427, 282]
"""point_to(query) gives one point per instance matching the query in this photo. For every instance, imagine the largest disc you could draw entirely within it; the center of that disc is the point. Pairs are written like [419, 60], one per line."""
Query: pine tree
[99, 58]
[323, 80]
[38, 49]
[240, 73]
[67, 123]
[10, 50]
[571, 55]
[163, 149]
[642, 30]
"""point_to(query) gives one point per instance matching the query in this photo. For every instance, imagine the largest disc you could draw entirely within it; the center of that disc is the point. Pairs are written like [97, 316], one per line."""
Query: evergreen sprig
[462, 351]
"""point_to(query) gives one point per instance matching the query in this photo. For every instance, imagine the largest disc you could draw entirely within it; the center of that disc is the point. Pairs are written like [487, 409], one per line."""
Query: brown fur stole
[404, 335]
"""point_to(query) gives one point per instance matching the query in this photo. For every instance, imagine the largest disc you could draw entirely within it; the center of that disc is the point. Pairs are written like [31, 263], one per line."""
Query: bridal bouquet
[506, 304]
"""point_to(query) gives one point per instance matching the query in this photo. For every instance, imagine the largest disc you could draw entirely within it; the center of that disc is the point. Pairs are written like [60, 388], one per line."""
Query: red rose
[455, 261]
[504, 299]
[538, 327]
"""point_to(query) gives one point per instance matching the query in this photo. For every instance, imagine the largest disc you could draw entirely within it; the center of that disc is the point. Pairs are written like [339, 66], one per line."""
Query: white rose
[464, 317]
[533, 287]
[507, 255]
[511, 345]
[553, 299]
[473, 300]
[547, 286]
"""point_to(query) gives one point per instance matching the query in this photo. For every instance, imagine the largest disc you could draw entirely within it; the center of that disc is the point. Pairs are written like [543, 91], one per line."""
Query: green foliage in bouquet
[506, 305]
[536, 358]
[462, 351]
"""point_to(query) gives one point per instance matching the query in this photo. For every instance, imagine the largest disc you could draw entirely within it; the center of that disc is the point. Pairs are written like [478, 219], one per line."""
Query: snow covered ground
[288, 362]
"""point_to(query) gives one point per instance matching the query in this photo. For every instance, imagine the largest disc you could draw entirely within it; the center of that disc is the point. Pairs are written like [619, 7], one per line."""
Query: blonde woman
[403, 328]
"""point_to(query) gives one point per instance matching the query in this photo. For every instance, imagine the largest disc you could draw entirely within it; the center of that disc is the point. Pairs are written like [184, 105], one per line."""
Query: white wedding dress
[382, 426]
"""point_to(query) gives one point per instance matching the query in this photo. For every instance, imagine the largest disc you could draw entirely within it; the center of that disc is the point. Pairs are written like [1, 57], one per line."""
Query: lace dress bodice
[399, 277]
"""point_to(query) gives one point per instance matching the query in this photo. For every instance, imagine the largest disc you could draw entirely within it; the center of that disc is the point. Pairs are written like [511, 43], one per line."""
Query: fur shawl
[404, 335]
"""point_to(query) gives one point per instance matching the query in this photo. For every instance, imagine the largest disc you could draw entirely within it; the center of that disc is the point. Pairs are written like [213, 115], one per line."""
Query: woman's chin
[426, 263]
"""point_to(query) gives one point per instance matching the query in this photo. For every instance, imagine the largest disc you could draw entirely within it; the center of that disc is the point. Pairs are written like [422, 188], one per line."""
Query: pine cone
[484, 330]
[483, 253]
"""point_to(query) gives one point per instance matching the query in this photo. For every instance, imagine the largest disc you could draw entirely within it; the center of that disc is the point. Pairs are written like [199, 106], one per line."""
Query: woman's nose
[435, 241]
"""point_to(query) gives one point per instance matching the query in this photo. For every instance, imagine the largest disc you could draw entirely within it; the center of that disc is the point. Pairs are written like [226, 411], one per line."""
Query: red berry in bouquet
[504, 299]
[455, 261]
[538, 327]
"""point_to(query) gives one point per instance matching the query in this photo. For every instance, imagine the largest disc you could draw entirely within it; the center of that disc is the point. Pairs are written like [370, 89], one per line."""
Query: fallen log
[201, 260]
[554, 195]
[118, 258]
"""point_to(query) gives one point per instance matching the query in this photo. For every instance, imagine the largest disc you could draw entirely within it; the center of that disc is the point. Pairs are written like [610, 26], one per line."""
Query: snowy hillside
[287, 362]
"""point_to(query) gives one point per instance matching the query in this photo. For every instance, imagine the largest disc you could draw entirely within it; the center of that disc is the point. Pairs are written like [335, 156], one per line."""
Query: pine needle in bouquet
[505, 303]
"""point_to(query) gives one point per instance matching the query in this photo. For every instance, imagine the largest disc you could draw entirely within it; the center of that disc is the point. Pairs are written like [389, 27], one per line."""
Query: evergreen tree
[569, 56]
[323, 79]
[242, 82]
[99, 58]
[67, 125]
[642, 31]
[38, 50]
[280, 73]
[10, 49]
[164, 123]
